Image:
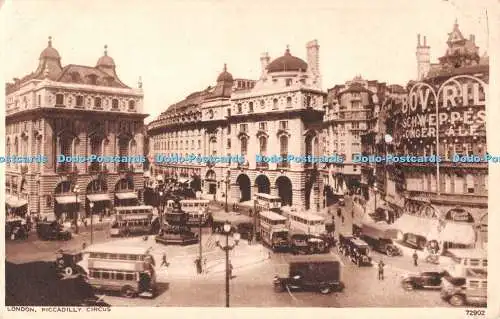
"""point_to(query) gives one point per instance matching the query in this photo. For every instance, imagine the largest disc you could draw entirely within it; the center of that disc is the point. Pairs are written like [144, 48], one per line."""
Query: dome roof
[50, 52]
[225, 76]
[106, 60]
[287, 62]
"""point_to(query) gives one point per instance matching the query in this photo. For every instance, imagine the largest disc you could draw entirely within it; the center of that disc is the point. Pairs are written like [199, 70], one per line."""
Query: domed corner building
[72, 110]
[449, 200]
[281, 113]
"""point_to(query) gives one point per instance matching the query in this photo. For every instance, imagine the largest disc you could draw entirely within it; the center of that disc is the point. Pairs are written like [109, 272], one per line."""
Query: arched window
[275, 103]
[66, 149]
[114, 104]
[263, 145]
[131, 105]
[95, 149]
[123, 150]
[289, 102]
[213, 146]
[244, 146]
[97, 102]
[284, 145]
[250, 107]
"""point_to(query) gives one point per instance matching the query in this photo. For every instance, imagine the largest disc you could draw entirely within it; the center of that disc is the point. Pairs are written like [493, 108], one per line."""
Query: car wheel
[408, 286]
[389, 252]
[128, 292]
[325, 290]
[457, 300]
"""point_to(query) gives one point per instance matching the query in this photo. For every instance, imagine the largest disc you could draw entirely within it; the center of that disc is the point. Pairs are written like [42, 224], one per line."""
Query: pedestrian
[164, 260]
[84, 245]
[415, 258]
[342, 219]
[381, 270]
[339, 212]
[231, 271]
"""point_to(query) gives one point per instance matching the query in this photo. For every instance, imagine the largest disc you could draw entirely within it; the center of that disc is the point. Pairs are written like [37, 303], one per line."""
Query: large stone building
[73, 110]
[444, 114]
[285, 112]
[281, 113]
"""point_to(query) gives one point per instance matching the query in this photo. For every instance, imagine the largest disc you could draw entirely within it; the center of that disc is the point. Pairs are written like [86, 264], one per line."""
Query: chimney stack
[425, 41]
[418, 40]
[264, 62]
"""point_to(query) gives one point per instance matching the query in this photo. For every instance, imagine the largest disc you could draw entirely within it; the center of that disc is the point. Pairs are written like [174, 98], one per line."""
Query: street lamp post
[375, 195]
[91, 222]
[227, 182]
[200, 215]
[227, 248]
[160, 208]
[76, 189]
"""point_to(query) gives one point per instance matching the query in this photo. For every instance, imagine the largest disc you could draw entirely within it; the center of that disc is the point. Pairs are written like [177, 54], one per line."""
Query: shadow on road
[36, 284]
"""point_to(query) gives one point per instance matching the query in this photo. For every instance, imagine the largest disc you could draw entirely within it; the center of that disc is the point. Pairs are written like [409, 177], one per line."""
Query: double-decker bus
[132, 220]
[197, 210]
[273, 230]
[267, 202]
[123, 268]
[308, 223]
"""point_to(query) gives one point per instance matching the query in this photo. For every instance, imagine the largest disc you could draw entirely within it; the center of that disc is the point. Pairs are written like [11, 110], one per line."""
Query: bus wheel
[128, 292]
[68, 271]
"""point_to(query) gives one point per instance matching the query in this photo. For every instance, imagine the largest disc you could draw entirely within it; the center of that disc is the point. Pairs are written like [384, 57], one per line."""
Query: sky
[179, 47]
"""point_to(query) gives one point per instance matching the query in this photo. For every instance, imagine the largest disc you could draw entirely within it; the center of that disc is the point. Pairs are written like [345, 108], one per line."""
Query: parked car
[380, 237]
[356, 249]
[52, 231]
[461, 291]
[16, 229]
[423, 280]
[67, 264]
[320, 273]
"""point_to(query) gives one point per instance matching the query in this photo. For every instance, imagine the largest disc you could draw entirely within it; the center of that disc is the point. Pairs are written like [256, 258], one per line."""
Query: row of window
[262, 103]
[140, 222]
[304, 221]
[112, 256]
[452, 185]
[79, 102]
[269, 221]
[113, 275]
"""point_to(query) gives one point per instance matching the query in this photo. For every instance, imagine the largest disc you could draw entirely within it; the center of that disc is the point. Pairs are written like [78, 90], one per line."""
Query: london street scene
[215, 154]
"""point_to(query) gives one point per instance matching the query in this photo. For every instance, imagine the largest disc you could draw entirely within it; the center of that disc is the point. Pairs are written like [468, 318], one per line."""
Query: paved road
[252, 285]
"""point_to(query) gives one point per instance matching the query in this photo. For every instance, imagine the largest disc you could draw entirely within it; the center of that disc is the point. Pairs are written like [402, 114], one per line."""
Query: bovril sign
[461, 111]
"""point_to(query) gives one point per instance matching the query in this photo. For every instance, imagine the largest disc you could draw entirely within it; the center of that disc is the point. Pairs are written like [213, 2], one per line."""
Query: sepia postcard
[279, 158]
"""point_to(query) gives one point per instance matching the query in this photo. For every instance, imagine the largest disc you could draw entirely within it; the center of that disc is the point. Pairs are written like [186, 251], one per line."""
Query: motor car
[380, 237]
[356, 249]
[471, 289]
[423, 280]
[52, 231]
[321, 273]
[67, 264]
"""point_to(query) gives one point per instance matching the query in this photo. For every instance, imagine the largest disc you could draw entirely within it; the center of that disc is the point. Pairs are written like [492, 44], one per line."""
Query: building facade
[73, 110]
[279, 114]
[445, 114]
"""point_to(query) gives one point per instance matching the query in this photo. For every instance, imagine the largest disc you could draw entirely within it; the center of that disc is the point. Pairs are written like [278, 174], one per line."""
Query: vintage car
[320, 273]
[52, 230]
[67, 264]
[423, 280]
[16, 229]
[356, 249]
[380, 238]
[470, 289]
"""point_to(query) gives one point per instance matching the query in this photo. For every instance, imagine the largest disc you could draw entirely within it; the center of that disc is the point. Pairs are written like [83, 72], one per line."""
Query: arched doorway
[243, 181]
[263, 184]
[196, 183]
[66, 202]
[211, 182]
[284, 186]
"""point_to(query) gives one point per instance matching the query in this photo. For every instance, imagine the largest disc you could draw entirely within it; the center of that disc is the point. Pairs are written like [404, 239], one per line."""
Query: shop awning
[71, 199]
[15, 202]
[126, 195]
[98, 197]
[409, 224]
[458, 233]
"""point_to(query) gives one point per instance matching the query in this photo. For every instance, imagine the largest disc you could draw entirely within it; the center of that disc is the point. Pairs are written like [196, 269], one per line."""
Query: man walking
[381, 270]
[415, 258]
[164, 260]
